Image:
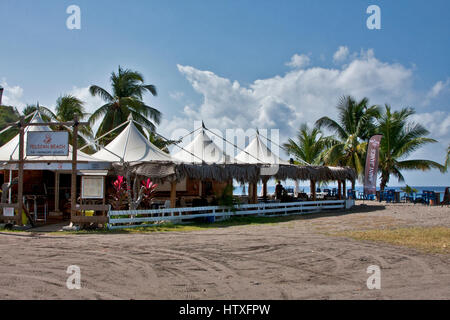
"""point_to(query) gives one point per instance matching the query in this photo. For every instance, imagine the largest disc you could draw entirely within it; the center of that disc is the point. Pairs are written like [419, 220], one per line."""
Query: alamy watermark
[374, 281]
[74, 280]
[73, 22]
[232, 142]
[374, 20]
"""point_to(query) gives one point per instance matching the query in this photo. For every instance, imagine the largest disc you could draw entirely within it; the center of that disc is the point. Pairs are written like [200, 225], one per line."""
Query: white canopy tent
[203, 150]
[258, 153]
[131, 146]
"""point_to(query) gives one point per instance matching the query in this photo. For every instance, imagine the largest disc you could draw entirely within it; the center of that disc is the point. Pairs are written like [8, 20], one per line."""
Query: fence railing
[141, 218]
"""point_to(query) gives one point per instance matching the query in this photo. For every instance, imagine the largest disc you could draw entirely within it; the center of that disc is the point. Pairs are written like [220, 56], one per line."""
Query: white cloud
[12, 95]
[301, 95]
[90, 103]
[437, 122]
[178, 95]
[438, 88]
[299, 61]
[341, 54]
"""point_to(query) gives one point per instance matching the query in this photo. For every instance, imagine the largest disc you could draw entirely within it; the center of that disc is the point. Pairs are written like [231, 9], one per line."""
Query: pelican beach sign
[47, 143]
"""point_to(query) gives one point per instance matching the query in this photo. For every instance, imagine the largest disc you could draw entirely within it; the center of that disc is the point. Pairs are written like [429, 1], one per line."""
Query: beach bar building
[192, 177]
[46, 179]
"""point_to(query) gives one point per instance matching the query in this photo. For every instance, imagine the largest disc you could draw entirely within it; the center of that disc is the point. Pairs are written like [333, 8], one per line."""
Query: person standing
[279, 190]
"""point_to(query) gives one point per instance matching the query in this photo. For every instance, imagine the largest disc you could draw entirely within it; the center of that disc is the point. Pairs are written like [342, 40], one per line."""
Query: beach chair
[389, 196]
[408, 197]
[167, 204]
[421, 198]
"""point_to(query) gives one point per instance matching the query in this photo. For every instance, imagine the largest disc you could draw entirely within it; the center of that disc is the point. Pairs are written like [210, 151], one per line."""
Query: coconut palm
[308, 146]
[128, 89]
[400, 139]
[31, 108]
[67, 107]
[447, 159]
[355, 126]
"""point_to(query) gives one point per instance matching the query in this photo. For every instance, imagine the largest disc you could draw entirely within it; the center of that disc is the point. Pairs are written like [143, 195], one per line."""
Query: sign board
[92, 187]
[47, 143]
[8, 212]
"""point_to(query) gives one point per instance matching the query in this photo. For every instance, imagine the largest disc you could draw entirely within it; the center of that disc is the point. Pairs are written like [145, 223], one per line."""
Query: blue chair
[408, 197]
[389, 195]
[351, 194]
[421, 197]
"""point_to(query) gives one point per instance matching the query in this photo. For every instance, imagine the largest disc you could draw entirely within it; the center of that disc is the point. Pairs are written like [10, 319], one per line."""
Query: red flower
[149, 185]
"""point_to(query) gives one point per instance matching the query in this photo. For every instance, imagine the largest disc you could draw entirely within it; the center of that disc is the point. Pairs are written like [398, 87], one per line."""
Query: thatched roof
[317, 173]
[160, 171]
[219, 172]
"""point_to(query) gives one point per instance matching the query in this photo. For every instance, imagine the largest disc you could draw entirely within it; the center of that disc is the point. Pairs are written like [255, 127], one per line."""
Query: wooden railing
[81, 218]
[141, 218]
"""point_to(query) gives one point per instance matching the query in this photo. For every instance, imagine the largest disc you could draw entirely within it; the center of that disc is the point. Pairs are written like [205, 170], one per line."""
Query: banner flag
[370, 176]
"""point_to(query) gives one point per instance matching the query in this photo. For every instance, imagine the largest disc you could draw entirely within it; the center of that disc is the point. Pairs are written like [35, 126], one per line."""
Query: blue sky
[227, 62]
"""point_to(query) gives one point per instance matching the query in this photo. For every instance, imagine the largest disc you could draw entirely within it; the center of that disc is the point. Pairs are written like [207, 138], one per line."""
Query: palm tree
[30, 108]
[400, 139]
[126, 97]
[67, 107]
[353, 129]
[308, 147]
[447, 159]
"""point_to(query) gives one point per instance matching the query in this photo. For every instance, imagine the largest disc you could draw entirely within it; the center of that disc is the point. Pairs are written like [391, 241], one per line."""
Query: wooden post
[173, 194]
[255, 192]
[339, 190]
[265, 190]
[57, 191]
[354, 189]
[73, 200]
[312, 186]
[344, 191]
[20, 186]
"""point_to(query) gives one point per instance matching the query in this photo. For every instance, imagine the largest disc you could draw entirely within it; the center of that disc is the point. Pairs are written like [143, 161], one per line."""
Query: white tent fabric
[203, 149]
[10, 151]
[131, 146]
[258, 153]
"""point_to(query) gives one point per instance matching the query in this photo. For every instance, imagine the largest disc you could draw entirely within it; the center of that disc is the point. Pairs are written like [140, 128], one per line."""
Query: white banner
[47, 143]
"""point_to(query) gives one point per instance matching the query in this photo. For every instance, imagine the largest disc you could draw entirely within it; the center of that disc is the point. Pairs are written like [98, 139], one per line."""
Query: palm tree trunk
[384, 181]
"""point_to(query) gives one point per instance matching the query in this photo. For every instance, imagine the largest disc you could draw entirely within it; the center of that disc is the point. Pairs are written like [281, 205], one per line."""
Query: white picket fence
[142, 218]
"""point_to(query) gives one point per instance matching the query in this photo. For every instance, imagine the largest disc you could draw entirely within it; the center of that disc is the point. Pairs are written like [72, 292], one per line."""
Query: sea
[238, 190]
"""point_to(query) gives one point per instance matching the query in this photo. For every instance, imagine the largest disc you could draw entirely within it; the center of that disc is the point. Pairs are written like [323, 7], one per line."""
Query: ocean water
[271, 189]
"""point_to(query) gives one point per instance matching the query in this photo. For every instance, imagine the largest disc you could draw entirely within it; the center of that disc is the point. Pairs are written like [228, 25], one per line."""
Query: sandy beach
[296, 259]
